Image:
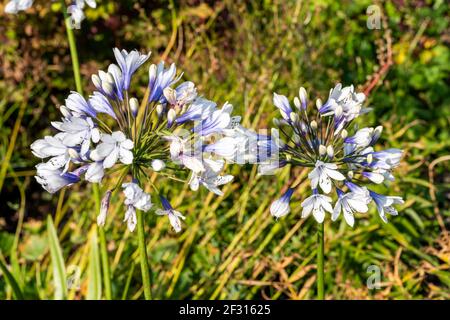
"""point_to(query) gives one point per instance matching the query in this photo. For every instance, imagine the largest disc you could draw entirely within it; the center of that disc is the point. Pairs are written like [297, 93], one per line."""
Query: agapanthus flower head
[343, 160]
[14, 6]
[171, 132]
[75, 9]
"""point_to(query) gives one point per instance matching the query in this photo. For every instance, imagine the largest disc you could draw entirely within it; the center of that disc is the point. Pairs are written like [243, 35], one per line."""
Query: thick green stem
[103, 249]
[145, 268]
[320, 254]
[105, 264]
[73, 49]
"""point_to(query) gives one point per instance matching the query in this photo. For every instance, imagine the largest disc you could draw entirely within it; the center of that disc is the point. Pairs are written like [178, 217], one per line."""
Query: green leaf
[59, 271]
[10, 279]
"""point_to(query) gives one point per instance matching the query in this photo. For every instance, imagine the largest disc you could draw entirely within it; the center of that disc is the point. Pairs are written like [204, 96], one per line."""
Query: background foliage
[236, 51]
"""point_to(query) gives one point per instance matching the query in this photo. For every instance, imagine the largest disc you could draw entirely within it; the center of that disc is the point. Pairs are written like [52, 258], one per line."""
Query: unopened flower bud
[297, 103]
[72, 153]
[369, 158]
[318, 104]
[134, 106]
[330, 151]
[101, 218]
[376, 134]
[171, 114]
[350, 174]
[303, 127]
[96, 81]
[313, 125]
[344, 134]
[284, 115]
[276, 122]
[322, 150]
[109, 78]
[65, 111]
[152, 74]
[159, 110]
[296, 138]
[158, 165]
[294, 117]
[303, 97]
[107, 87]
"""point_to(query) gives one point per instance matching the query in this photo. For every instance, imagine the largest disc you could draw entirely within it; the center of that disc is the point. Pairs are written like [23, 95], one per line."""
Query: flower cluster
[14, 6]
[339, 160]
[172, 132]
[75, 10]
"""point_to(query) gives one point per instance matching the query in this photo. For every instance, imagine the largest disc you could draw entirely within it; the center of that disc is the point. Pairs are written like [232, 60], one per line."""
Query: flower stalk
[73, 48]
[320, 260]
[103, 248]
[143, 257]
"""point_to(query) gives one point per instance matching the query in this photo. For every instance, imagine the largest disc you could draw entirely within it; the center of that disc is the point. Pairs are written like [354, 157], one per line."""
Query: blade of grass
[12, 143]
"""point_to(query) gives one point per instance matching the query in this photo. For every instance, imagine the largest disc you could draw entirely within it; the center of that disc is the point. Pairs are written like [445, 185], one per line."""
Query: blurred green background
[236, 51]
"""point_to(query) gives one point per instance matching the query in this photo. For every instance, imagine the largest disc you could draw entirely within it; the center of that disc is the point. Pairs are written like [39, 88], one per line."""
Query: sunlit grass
[230, 247]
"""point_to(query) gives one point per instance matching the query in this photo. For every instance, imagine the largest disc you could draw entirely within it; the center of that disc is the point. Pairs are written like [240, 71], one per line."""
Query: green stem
[103, 249]
[73, 49]
[105, 264]
[320, 253]
[145, 268]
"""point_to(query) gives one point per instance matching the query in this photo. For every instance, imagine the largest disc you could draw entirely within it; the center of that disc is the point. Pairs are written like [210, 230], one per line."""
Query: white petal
[194, 183]
[127, 144]
[349, 218]
[175, 222]
[358, 205]
[334, 174]
[125, 156]
[95, 135]
[325, 183]
[319, 214]
[193, 163]
[111, 159]
[307, 210]
[327, 206]
[336, 211]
